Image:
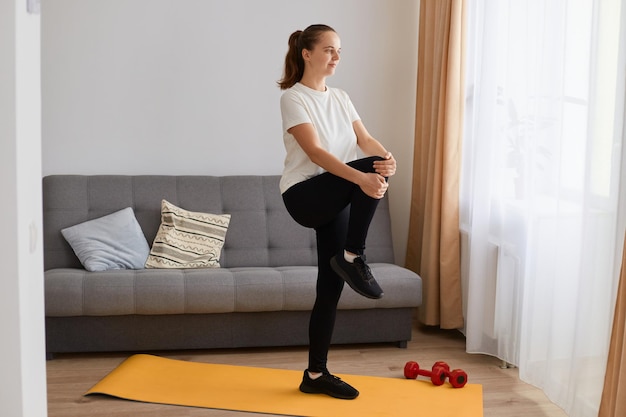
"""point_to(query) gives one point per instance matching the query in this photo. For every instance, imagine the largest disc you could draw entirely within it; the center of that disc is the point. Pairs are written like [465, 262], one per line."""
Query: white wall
[189, 86]
[22, 351]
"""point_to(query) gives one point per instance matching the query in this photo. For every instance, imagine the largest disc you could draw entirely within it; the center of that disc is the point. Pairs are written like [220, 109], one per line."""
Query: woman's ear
[306, 54]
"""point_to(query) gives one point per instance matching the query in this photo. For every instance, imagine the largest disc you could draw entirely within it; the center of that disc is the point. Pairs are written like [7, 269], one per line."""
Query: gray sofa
[261, 295]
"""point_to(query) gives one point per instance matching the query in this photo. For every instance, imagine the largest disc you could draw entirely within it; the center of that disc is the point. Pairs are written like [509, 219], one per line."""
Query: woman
[326, 188]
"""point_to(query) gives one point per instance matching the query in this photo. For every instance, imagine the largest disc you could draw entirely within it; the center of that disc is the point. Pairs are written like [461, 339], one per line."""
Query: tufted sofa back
[261, 231]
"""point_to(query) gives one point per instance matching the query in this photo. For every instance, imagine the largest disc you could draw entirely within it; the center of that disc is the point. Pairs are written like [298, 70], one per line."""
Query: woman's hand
[386, 168]
[373, 185]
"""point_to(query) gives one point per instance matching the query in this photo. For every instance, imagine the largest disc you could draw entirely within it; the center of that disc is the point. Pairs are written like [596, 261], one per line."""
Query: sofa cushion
[76, 292]
[114, 241]
[188, 239]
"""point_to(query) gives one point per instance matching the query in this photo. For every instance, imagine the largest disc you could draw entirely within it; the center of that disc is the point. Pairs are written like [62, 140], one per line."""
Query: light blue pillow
[114, 241]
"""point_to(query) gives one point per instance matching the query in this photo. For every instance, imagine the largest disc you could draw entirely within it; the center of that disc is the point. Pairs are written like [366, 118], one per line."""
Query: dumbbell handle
[440, 371]
[437, 375]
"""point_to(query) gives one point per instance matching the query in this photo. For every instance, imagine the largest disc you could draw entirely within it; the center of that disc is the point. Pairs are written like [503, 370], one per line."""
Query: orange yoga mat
[153, 379]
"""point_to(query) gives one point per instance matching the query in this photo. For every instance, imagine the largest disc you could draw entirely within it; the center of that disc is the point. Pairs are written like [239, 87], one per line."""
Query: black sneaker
[358, 275]
[328, 384]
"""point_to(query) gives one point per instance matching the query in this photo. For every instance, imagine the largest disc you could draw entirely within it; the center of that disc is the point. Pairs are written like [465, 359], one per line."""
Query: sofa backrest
[261, 231]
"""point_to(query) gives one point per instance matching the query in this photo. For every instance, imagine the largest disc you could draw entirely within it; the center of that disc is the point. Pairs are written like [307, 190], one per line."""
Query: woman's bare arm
[370, 146]
[372, 184]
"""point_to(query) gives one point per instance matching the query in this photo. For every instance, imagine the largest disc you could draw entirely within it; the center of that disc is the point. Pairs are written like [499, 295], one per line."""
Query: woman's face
[324, 57]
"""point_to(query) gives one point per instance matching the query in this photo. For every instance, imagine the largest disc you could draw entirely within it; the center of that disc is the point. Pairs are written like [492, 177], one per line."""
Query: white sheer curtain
[539, 194]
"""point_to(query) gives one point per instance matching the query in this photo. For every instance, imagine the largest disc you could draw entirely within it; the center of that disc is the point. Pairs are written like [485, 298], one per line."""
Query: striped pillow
[187, 239]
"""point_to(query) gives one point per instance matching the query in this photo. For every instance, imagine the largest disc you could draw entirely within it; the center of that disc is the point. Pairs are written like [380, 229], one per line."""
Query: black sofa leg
[402, 344]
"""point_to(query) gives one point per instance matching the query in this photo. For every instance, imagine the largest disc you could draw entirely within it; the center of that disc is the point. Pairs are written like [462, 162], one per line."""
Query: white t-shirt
[331, 113]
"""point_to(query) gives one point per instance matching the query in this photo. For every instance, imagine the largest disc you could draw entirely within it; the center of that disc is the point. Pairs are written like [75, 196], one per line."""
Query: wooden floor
[504, 395]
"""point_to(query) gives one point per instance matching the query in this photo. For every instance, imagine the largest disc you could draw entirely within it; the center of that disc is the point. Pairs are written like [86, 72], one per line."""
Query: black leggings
[340, 212]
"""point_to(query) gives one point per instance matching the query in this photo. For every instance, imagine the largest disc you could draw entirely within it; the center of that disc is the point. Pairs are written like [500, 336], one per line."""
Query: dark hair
[294, 63]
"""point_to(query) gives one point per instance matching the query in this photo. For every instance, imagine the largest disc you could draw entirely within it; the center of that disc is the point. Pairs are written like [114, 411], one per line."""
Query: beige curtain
[613, 402]
[433, 249]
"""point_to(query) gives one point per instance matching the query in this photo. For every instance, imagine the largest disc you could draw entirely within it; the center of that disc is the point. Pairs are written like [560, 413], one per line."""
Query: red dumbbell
[437, 375]
[457, 377]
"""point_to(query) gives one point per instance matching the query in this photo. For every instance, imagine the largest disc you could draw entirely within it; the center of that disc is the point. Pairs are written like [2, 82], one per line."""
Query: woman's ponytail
[294, 64]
